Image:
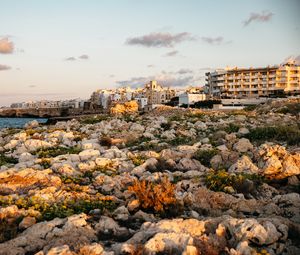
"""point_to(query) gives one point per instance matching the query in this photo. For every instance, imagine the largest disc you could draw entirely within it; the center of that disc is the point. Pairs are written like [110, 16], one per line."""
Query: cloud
[292, 58]
[70, 59]
[206, 68]
[264, 16]
[35, 94]
[6, 46]
[159, 40]
[84, 57]
[4, 67]
[184, 71]
[171, 53]
[213, 40]
[167, 79]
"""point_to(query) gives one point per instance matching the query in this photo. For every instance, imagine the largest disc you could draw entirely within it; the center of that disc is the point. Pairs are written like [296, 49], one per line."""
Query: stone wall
[42, 112]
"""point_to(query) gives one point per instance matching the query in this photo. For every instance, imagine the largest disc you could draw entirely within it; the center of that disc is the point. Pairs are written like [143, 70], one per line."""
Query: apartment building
[254, 82]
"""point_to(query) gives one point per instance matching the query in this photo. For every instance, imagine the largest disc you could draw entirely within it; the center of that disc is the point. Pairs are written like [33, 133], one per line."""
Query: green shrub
[220, 180]
[4, 160]
[30, 132]
[138, 141]
[289, 134]
[72, 179]
[12, 131]
[61, 209]
[175, 118]
[138, 160]
[128, 117]
[179, 140]
[250, 108]
[232, 128]
[292, 108]
[56, 151]
[166, 126]
[197, 115]
[45, 163]
[204, 156]
[108, 169]
[95, 119]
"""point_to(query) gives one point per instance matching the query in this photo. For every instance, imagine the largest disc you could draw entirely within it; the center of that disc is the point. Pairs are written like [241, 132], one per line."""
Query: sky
[63, 49]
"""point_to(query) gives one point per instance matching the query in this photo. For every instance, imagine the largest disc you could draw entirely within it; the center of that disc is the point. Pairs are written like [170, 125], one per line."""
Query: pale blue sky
[45, 33]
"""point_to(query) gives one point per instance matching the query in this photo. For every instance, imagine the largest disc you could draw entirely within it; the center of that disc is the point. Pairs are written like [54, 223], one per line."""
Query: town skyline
[64, 49]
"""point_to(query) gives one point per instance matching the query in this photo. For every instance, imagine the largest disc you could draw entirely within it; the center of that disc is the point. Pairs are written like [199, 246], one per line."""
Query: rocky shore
[172, 181]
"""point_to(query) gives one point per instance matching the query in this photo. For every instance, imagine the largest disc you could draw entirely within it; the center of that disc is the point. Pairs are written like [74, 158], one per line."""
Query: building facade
[254, 82]
[189, 98]
[156, 94]
[151, 94]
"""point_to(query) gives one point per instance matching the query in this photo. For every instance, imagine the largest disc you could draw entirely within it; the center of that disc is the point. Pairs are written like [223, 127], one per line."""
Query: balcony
[281, 80]
[293, 88]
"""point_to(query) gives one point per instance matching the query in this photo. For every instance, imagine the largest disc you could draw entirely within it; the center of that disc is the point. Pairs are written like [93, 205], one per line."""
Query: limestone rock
[27, 222]
[88, 154]
[278, 163]
[107, 228]
[31, 124]
[34, 144]
[243, 145]
[60, 250]
[46, 235]
[92, 249]
[187, 164]
[244, 165]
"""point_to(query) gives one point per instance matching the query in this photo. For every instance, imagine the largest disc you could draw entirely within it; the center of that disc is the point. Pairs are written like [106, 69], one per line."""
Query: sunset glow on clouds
[66, 49]
[6, 46]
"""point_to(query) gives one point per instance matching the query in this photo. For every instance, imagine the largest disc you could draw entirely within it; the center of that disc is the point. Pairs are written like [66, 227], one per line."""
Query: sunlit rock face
[128, 107]
[171, 181]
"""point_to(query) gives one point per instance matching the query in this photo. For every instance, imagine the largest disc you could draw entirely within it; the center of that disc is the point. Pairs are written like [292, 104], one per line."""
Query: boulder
[60, 250]
[34, 144]
[73, 231]
[276, 162]
[243, 145]
[92, 249]
[244, 165]
[200, 125]
[108, 229]
[25, 157]
[243, 131]
[135, 127]
[187, 164]
[27, 222]
[31, 124]
[121, 214]
[89, 154]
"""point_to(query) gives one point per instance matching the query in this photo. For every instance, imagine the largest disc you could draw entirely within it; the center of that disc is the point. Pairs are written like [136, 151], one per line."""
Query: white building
[189, 99]
[142, 102]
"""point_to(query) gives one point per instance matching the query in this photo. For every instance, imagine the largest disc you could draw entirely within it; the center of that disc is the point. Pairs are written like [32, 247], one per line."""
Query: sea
[18, 122]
